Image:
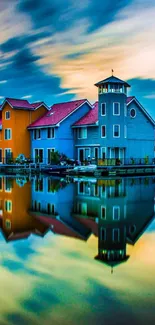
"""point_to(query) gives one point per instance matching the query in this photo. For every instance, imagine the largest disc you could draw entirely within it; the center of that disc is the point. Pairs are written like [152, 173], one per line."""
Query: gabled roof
[131, 99]
[23, 104]
[58, 113]
[90, 118]
[59, 226]
[113, 80]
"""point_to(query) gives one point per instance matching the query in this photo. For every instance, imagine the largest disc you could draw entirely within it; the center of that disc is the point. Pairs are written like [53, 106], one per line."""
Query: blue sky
[55, 50]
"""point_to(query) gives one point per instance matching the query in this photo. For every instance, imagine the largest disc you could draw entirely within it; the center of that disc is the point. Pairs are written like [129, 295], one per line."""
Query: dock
[98, 171]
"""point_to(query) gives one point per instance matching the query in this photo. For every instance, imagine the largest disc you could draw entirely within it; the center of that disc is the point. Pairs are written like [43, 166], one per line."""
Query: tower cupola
[112, 85]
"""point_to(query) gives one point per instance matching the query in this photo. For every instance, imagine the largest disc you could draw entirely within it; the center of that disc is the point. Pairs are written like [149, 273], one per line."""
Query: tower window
[103, 131]
[116, 108]
[132, 112]
[116, 131]
[103, 212]
[103, 109]
[116, 213]
[116, 235]
[103, 234]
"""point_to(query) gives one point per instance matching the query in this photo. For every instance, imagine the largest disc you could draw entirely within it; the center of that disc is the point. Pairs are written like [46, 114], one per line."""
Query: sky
[56, 50]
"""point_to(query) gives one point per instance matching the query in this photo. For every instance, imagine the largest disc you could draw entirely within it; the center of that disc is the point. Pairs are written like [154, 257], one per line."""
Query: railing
[99, 162]
[120, 162]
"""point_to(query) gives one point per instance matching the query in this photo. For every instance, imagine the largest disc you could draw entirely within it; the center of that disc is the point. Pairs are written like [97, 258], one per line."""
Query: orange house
[16, 115]
[15, 202]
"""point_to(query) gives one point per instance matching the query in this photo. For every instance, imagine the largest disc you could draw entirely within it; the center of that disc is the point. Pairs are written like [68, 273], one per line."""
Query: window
[116, 131]
[103, 131]
[50, 208]
[96, 153]
[103, 234]
[8, 184]
[8, 155]
[50, 133]
[8, 206]
[49, 152]
[8, 224]
[36, 205]
[133, 112]
[38, 155]
[116, 108]
[125, 110]
[125, 131]
[132, 229]
[81, 188]
[116, 213]
[82, 133]
[1, 156]
[37, 134]
[82, 208]
[103, 212]
[96, 189]
[1, 183]
[7, 115]
[103, 152]
[103, 109]
[7, 134]
[39, 185]
[103, 190]
[116, 235]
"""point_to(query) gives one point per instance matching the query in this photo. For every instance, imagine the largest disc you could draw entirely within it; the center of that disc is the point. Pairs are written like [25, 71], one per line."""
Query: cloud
[3, 82]
[71, 47]
[27, 97]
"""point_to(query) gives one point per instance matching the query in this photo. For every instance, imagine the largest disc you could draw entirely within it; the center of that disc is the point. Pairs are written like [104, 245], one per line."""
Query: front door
[8, 155]
[96, 153]
[39, 155]
[81, 155]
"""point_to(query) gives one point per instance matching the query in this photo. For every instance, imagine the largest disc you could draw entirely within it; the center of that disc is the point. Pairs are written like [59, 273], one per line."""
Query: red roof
[22, 104]
[59, 227]
[90, 224]
[57, 113]
[90, 118]
[129, 99]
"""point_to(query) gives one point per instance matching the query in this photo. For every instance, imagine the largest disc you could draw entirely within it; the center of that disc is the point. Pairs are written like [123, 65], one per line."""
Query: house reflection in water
[52, 204]
[117, 211]
[15, 201]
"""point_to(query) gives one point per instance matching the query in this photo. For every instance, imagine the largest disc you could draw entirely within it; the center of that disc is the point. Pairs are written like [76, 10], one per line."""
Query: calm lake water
[77, 252]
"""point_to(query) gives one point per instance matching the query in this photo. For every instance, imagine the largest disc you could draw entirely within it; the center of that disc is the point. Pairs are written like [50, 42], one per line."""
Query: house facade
[16, 115]
[53, 131]
[111, 132]
[117, 211]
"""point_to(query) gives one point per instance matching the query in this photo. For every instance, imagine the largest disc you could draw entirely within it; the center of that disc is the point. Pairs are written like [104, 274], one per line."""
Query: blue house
[52, 204]
[53, 131]
[118, 127]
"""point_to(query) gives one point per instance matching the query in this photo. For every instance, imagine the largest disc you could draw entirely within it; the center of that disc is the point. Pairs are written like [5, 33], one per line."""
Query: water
[75, 252]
